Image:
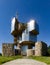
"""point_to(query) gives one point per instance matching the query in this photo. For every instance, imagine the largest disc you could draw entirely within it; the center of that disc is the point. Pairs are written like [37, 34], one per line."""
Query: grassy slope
[6, 59]
[42, 58]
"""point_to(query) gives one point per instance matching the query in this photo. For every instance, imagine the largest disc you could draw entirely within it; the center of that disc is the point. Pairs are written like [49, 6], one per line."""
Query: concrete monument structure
[25, 40]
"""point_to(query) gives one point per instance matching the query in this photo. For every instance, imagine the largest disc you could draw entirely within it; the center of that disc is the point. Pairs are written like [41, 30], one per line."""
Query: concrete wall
[7, 49]
[30, 52]
[40, 48]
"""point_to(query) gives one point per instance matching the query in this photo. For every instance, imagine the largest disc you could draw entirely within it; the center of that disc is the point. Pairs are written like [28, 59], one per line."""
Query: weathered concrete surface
[7, 49]
[24, 62]
[40, 48]
[29, 52]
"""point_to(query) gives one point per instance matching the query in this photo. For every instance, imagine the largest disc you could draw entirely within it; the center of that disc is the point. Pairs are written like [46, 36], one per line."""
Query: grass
[6, 59]
[41, 58]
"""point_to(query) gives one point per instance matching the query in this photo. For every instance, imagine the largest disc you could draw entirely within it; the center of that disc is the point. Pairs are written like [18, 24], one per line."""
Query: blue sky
[26, 9]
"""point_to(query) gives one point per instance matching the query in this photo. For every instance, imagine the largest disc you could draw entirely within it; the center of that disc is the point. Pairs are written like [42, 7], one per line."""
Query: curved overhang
[27, 43]
[14, 33]
[34, 32]
[17, 32]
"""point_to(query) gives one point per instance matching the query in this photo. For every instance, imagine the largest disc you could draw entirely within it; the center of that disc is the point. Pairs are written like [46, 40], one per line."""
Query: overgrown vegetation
[41, 58]
[0, 54]
[48, 50]
[6, 59]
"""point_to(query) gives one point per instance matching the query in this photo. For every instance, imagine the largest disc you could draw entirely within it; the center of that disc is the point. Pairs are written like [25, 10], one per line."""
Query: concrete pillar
[18, 49]
[18, 45]
[29, 52]
[40, 48]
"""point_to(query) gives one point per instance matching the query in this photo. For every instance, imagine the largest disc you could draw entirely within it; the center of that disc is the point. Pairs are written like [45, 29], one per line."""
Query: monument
[25, 40]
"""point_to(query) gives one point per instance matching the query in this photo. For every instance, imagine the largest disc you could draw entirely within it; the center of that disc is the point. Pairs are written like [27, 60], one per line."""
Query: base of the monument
[40, 49]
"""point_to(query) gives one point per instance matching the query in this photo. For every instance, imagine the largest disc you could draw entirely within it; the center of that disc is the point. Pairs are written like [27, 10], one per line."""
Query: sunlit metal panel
[33, 27]
[13, 25]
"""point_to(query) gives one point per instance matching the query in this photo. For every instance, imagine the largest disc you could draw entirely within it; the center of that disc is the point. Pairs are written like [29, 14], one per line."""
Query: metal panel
[33, 27]
[13, 24]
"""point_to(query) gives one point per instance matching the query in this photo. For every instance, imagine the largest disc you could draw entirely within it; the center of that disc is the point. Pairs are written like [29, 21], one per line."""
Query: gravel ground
[24, 62]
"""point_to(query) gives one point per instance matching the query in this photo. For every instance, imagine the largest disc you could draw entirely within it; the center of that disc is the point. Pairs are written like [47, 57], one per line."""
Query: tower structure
[25, 40]
[24, 34]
